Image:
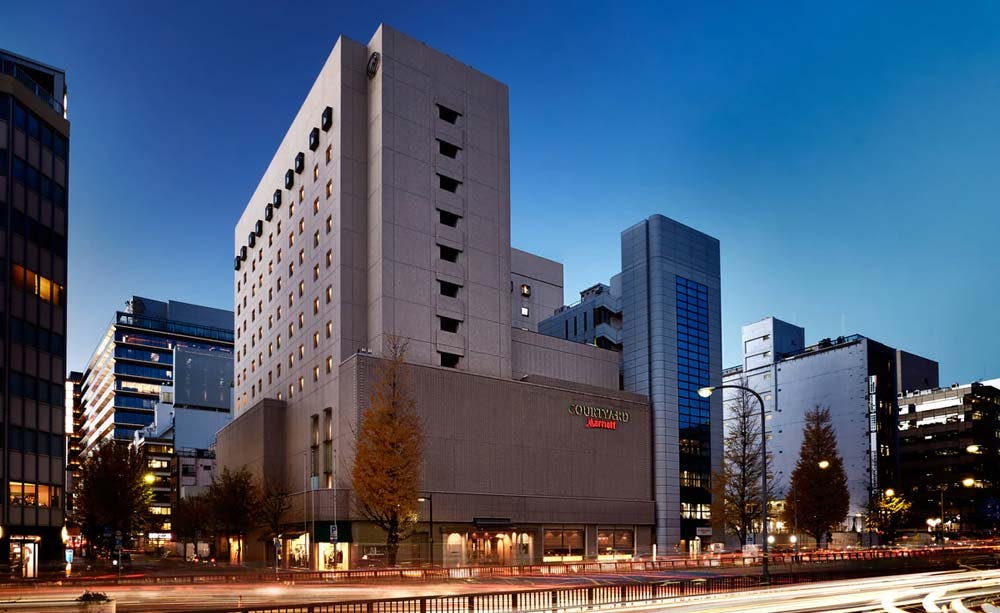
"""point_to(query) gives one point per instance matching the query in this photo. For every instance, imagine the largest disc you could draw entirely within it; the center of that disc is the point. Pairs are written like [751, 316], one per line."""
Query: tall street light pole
[429, 499]
[705, 392]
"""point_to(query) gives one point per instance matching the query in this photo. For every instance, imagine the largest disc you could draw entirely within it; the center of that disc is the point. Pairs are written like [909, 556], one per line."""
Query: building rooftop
[47, 82]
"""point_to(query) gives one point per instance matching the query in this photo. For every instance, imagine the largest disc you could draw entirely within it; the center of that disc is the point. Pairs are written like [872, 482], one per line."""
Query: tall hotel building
[34, 170]
[386, 211]
[135, 358]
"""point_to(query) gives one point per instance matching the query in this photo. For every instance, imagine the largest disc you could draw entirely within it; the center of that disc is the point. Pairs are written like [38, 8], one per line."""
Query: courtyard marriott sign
[600, 417]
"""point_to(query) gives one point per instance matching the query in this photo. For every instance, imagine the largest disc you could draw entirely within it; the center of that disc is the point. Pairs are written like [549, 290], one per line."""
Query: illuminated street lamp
[968, 482]
[149, 478]
[973, 448]
[824, 464]
[706, 392]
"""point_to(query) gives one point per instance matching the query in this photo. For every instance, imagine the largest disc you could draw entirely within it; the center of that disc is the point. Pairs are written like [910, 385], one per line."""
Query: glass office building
[121, 385]
[34, 172]
[671, 346]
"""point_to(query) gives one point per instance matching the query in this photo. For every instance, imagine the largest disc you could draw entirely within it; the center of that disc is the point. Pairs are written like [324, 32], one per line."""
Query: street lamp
[149, 478]
[824, 464]
[430, 527]
[706, 392]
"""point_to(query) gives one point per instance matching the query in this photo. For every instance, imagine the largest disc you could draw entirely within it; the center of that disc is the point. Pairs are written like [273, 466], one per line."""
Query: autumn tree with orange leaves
[389, 450]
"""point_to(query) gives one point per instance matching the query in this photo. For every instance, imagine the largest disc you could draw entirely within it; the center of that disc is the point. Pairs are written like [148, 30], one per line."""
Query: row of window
[34, 231]
[35, 180]
[693, 367]
[34, 495]
[326, 122]
[27, 440]
[36, 129]
[33, 283]
[149, 372]
[26, 386]
[30, 335]
[143, 355]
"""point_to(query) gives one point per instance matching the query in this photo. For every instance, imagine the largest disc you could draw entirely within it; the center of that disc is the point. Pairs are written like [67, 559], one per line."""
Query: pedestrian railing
[562, 599]
[778, 561]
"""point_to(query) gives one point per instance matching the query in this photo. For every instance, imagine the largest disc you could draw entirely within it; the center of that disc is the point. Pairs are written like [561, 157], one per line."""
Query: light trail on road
[891, 594]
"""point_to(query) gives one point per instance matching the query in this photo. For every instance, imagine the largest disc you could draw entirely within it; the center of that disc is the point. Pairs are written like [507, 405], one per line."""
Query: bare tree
[736, 493]
[274, 504]
[389, 451]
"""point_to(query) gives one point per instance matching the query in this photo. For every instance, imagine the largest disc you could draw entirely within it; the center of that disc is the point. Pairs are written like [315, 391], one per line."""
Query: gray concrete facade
[386, 211]
[536, 289]
[853, 376]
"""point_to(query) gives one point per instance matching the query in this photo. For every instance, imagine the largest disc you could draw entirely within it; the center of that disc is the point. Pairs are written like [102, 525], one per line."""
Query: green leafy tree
[112, 496]
[887, 513]
[389, 450]
[736, 487]
[233, 499]
[819, 481]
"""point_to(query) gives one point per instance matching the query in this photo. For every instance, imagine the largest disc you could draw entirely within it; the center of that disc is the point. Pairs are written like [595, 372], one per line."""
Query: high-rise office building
[34, 171]
[662, 313]
[386, 211]
[671, 347]
[135, 357]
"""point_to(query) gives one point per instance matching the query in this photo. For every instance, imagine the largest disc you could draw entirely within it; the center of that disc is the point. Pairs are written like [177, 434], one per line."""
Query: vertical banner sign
[873, 431]
[333, 533]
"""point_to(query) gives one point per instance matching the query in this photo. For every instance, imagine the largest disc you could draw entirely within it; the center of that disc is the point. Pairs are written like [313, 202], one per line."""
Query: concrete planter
[96, 607]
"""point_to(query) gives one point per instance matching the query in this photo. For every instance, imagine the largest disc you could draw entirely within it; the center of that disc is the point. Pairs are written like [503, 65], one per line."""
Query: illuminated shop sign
[599, 417]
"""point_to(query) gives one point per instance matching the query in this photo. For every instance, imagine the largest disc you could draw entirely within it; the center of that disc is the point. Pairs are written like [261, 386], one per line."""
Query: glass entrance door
[490, 548]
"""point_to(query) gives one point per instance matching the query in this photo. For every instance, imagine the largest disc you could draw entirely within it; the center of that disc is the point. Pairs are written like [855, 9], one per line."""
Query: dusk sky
[847, 156]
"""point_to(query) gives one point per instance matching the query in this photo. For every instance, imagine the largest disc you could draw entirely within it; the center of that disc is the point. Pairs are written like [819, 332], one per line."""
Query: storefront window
[613, 544]
[16, 492]
[563, 545]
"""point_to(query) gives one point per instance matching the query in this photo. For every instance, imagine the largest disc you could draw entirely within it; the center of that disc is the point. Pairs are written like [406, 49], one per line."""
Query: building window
[525, 312]
[448, 115]
[315, 206]
[276, 199]
[448, 324]
[302, 194]
[289, 179]
[525, 290]
[449, 360]
[329, 294]
[329, 188]
[329, 153]
[315, 373]
[329, 329]
[329, 224]
[314, 139]
[300, 162]
[316, 272]
[33, 283]
[302, 287]
[316, 237]
[327, 120]
[448, 254]
[448, 150]
[448, 289]
[316, 172]
[315, 306]
[329, 258]
[302, 383]
[315, 340]
[329, 364]
[448, 219]
[448, 184]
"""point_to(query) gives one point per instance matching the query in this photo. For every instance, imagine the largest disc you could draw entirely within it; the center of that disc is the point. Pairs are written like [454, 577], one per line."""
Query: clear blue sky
[845, 155]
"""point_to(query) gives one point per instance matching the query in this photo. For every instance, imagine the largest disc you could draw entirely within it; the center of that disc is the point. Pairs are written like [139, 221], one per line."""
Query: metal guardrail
[790, 560]
[549, 599]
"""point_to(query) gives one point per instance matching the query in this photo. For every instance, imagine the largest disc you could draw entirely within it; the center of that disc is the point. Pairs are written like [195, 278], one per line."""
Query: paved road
[857, 595]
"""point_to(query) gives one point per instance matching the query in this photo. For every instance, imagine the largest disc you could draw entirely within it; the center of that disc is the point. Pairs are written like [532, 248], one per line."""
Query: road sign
[333, 533]
[69, 556]
[703, 531]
